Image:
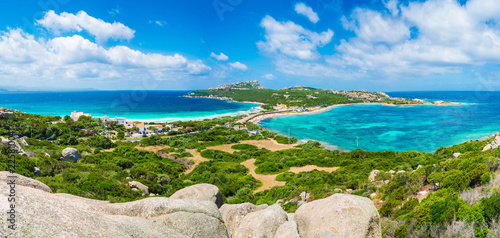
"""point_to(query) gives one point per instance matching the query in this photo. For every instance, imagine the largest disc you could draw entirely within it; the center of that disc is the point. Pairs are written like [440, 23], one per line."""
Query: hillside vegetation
[418, 194]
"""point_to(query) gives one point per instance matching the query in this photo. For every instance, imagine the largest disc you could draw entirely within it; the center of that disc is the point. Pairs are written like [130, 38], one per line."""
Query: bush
[400, 231]
[244, 147]
[285, 140]
[456, 180]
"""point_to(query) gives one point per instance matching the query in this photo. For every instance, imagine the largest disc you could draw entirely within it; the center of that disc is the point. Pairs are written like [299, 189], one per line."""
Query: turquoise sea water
[399, 128]
[158, 106]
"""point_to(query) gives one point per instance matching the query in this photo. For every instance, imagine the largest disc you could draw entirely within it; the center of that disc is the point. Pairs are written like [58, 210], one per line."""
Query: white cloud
[372, 26]
[432, 37]
[238, 65]
[306, 11]
[291, 39]
[448, 37]
[158, 22]
[392, 6]
[219, 57]
[268, 76]
[24, 57]
[101, 30]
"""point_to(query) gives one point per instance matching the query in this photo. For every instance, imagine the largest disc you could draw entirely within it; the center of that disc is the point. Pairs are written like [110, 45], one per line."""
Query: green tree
[52, 131]
[456, 180]
[436, 178]
[414, 183]
[121, 135]
[252, 126]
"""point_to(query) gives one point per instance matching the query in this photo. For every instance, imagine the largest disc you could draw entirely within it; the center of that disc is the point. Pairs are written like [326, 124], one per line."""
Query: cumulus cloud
[268, 76]
[291, 39]
[238, 65]
[303, 9]
[101, 30]
[219, 57]
[449, 36]
[392, 6]
[373, 26]
[23, 56]
[418, 38]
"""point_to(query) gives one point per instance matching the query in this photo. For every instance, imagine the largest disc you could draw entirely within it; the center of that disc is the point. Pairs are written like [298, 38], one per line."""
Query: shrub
[244, 147]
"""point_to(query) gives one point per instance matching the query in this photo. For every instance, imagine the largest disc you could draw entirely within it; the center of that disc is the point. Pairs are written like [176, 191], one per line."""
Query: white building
[75, 115]
[119, 120]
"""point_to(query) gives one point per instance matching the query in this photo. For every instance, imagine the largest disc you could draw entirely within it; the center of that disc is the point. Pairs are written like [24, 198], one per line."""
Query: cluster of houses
[362, 95]
[142, 128]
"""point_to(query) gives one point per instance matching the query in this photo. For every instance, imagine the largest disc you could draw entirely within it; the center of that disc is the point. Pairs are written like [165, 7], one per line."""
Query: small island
[299, 99]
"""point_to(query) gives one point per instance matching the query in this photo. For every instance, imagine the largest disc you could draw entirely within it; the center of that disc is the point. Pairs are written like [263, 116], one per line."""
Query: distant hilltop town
[245, 85]
[299, 97]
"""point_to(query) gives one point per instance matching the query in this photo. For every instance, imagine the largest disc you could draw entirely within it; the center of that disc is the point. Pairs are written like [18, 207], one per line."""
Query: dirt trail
[271, 145]
[308, 168]
[268, 181]
[197, 158]
[154, 149]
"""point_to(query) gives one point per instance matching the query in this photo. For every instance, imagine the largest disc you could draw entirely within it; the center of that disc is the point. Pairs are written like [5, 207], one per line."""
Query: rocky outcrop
[202, 192]
[456, 155]
[20, 180]
[339, 215]
[13, 145]
[42, 214]
[373, 175]
[37, 172]
[139, 186]
[494, 144]
[70, 154]
[262, 224]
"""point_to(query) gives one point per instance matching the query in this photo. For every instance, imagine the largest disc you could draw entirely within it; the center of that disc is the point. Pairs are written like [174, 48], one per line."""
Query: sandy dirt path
[271, 145]
[154, 149]
[268, 181]
[308, 168]
[197, 158]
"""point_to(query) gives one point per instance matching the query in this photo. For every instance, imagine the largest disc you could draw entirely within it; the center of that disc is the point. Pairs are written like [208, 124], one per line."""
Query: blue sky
[386, 45]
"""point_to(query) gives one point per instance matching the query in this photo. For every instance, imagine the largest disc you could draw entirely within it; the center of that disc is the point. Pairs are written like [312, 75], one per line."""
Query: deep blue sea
[398, 128]
[158, 106]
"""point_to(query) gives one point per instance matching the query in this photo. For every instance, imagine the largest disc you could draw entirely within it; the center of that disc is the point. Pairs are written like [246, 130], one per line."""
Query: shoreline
[224, 99]
[260, 118]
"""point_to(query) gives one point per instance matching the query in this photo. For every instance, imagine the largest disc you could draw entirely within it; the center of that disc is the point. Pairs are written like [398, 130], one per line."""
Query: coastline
[262, 117]
[266, 115]
[224, 99]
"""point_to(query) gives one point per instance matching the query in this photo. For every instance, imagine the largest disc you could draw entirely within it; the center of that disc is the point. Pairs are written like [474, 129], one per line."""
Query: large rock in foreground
[339, 215]
[43, 214]
[202, 192]
[70, 154]
[23, 181]
[261, 224]
[233, 214]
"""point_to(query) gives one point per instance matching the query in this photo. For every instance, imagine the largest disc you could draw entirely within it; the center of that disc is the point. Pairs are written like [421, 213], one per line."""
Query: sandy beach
[257, 119]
